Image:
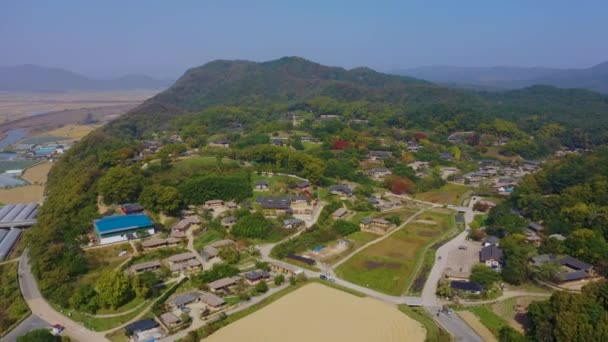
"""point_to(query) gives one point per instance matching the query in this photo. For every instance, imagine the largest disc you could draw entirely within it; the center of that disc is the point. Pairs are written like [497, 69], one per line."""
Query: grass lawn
[206, 238]
[126, 307]
[447, 194]
[108, 323]
[363, 237]
[104, 259]
[489, 319]
[530, 287]
[310, 145]
[12, 306]
[402, 214]
[232, 300]
[390, 265]
[103, 324]
[190, 166]
[433, 331]
[506, 309]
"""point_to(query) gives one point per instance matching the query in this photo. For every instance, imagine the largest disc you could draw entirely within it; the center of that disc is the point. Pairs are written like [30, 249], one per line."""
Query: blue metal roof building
[122, 227]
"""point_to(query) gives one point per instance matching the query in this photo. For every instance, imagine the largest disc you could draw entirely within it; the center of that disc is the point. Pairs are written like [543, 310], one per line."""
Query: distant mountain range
[499, 78]
[30, 77]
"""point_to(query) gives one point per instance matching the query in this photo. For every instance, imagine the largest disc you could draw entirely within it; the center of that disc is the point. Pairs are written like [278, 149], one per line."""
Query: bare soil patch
[476, 325]
[320, 313]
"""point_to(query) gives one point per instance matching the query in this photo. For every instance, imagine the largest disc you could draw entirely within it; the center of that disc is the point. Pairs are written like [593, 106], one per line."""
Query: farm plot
[328, 315]
[447, 194]
[6, 165]
[391, 265]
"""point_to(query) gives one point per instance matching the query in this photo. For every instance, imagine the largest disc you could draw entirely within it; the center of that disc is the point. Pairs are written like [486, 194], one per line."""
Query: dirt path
[385, 236]
[479, 328]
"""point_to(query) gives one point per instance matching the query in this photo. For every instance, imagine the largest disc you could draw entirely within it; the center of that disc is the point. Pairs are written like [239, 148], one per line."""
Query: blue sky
[163, 38]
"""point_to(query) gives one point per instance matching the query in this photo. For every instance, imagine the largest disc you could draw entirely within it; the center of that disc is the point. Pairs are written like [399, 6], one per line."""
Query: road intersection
[43, 315]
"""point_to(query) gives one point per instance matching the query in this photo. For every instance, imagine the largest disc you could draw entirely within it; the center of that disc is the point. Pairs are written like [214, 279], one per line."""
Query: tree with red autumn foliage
[340, 144]
[400, 185]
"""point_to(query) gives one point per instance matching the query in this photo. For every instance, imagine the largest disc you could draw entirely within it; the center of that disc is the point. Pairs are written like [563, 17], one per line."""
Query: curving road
[41, 308]
[45, 315]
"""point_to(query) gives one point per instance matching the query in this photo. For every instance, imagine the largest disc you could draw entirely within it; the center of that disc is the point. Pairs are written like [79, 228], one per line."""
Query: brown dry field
[30, 193]
[37, 173]
[476, 325]
[65, 109]
[71, 131]
[22, 194]
[15, 104]
[320, 313]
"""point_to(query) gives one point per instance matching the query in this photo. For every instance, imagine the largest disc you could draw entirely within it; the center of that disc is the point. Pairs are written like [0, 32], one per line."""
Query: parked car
[185, 309]
[57, 329]
[323, 277]
[463, 247]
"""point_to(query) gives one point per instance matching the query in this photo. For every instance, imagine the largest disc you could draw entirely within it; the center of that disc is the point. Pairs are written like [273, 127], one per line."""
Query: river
[12, 137]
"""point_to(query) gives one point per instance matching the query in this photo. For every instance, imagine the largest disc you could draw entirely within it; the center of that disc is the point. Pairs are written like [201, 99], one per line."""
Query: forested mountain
[255, 98]
[498, 77]
[594, 78]
[291, 80]
[37, 78]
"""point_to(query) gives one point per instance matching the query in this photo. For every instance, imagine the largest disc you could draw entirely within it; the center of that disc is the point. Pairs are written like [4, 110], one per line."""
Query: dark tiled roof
[491, 240]
[186, 298]
[143, 325]
[466, 286]
[576, 275]
[574, 263]
[274, 202]
[255, 275]
[341, 188]
[304, 184]
[300, 258]
[292, 221]
[382, 154]
[535, 226]
[367, 220]
[490, 253]
[132, 208]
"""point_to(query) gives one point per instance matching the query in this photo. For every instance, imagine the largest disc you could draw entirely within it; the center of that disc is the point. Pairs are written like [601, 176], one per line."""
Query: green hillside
[207, 100]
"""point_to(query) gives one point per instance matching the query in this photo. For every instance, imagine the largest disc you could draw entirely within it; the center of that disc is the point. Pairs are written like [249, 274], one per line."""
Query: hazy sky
[164, 38]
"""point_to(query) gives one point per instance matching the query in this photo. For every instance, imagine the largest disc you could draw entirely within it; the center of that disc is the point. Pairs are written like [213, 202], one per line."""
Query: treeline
[279, 159]
[208, 187]
[571, 317]
[569, 194]
[67, 213]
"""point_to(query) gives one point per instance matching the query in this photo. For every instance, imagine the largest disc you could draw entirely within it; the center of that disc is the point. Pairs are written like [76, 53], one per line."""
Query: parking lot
[461, 261]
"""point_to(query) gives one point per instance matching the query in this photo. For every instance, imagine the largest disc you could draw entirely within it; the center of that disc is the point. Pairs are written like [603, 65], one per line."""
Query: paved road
[44, 311]
[33, 322]
[453, 324]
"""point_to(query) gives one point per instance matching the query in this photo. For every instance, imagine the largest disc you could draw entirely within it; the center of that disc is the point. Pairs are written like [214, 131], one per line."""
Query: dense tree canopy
[121, 185]
[159, 198]
[572, 317]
